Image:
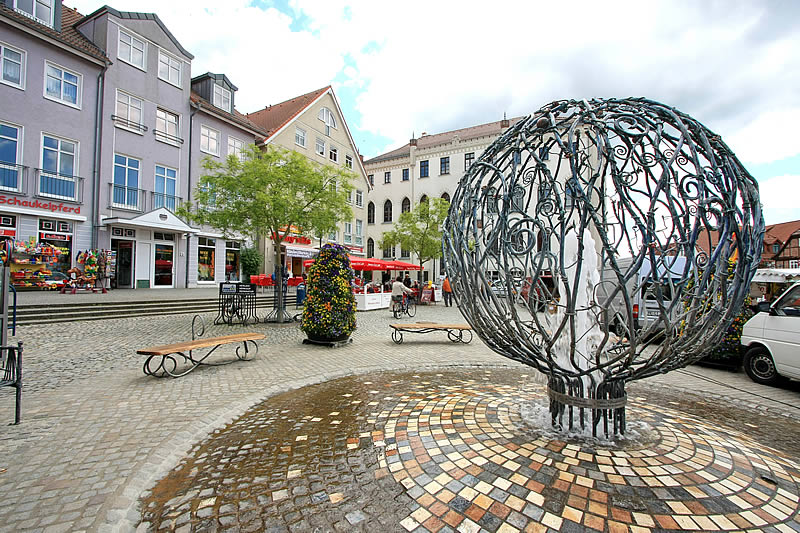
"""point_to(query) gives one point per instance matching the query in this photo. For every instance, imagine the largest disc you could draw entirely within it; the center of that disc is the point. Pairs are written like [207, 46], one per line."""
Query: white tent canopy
[776, 275]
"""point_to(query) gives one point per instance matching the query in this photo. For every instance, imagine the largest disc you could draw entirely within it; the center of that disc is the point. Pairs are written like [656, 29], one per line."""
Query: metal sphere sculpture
[602, 242]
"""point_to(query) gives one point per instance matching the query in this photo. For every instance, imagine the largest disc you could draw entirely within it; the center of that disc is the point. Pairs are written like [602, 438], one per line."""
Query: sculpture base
[605, 404]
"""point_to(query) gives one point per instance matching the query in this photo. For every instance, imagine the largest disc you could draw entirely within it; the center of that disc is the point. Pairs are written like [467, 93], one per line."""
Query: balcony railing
[165, 200]
[12, 177]
[166, 137]
[51, 184]
[123, 197]
[125, 123]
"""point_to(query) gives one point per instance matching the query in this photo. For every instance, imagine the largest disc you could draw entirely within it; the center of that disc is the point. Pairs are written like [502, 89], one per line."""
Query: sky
[403, 68]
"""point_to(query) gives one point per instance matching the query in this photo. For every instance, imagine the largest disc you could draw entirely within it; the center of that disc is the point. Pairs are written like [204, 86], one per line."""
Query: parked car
[771, 340]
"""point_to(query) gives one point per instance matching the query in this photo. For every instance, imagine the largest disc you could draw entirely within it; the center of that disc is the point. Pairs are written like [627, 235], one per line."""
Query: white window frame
[166, 136]
[129, 59]
[166, 177]
[320, 147]
[359, 235]
[219, 99]
[348, 161]
[33, 15]
[23, 68]
[359, 198]
[126, 187]
[348, 233]
[205, 131]
[75, 166]
[300, 136]
[334, 154]
[169, 58]
[60, 100]
[130, 98]
[233, 149]
[326, 116]
[19, 140]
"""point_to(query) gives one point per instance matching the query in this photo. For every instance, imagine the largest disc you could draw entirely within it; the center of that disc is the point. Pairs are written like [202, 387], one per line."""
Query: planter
[322, 339]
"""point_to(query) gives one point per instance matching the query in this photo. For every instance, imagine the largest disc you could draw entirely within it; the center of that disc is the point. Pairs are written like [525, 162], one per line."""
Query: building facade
[428, 167]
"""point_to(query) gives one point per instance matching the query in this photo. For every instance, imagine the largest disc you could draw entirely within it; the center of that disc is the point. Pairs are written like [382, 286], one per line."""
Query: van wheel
[760, 367]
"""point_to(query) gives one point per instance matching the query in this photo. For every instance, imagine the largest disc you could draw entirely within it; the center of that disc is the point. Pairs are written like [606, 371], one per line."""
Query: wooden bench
[162, 362]
[11, 373]
[455, 332]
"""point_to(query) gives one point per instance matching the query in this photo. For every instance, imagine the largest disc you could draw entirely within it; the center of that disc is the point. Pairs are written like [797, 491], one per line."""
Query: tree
[269, 192]
[420, 230]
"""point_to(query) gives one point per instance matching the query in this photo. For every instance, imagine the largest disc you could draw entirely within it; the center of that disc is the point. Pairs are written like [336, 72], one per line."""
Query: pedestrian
[448, 292]
[407, 280]
[398, 289]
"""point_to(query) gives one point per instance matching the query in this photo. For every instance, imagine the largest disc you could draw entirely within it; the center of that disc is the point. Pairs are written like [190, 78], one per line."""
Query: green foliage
[420, 230]
[269, 191]
[330, 306]
[251, 262]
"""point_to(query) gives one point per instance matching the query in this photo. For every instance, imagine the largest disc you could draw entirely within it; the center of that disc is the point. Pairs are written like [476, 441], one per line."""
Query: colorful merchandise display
[32, 266]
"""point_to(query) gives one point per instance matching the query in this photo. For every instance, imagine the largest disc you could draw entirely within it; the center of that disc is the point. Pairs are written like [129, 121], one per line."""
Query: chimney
[505, 122]
[361, 156]
[413, 141]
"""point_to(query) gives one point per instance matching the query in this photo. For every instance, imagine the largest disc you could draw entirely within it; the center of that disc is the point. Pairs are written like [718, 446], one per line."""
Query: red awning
[401, 265]
[359, 263]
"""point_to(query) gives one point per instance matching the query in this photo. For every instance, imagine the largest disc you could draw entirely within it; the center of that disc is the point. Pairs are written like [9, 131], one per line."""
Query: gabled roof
[133, 15]
[273, 118]
[215, 77]
[781, 233]
[429, 141]
[235, 117]
[68, 35]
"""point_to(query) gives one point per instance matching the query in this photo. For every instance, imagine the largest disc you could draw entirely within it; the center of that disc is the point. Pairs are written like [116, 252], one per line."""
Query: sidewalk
[114, 295]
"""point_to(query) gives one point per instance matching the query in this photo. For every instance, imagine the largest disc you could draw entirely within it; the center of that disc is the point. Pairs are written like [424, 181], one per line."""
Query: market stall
[365, 299]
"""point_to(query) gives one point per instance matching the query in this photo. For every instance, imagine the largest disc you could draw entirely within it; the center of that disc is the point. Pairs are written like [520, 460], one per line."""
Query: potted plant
[329, 312]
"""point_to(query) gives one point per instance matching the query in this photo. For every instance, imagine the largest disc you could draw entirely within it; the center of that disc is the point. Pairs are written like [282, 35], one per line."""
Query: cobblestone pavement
[96, 432]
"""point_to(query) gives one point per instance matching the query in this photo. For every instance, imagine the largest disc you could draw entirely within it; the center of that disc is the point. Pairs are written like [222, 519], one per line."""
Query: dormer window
[326, 116]
[38, 10]
[222, 98]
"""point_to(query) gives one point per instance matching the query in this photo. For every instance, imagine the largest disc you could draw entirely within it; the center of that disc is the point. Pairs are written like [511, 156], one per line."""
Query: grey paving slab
[97, 432]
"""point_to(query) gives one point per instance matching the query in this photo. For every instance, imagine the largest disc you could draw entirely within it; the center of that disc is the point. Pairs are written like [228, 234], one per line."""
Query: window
[320, 148]
[446, 197]
[334, 155]
[10, 156]
[348, 232]
[387, 211]
[13, 66]
[405, 174]
[518, 198]
[388, 252]
[125, 191]
[405, 207]
[776, 248]
[469, 158]
[166, 185]
[544, 153]
[371, 179]
[300, 137]
[209, 140]
[404, 253]
[167, 127]
[222, 98]
[424, 199]
[370, 247]
[206, 249]
[444, 165]
[169, 68]
[423, 169]
[129, 112]
[326, 116]
[348, 161]
[350, 196]
[794, 263]
[131, 50]
[359, 232]
[333, 235]
[62, 85]
[370, 213]
[387, 177]
[236, 147]
[59, 168]
[232, 256]
[39, 10]
[359, 198]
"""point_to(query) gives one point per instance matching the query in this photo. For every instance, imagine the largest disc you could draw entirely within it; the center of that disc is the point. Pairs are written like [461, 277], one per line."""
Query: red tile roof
[272, 118]
[781, 233]
[68, 34]
[429, 141]
[234, 117]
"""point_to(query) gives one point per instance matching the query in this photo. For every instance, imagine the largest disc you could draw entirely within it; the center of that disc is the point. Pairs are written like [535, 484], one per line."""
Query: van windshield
[650, 291]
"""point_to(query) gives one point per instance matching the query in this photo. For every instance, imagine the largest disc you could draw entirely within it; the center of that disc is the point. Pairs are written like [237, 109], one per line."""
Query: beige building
[428, 167]
[313, 125]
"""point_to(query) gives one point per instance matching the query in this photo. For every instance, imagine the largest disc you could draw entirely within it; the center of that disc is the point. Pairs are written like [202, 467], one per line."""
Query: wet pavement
[472, 451]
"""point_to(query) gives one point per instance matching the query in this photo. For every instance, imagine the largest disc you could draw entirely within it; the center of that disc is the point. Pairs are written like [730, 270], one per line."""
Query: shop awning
[161, 219]
[303, 252]
[776, 275]
[401, 265]
[359, 263]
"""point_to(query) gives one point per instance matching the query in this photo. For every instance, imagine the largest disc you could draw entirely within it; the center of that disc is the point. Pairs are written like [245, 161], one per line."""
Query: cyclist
[398, 289]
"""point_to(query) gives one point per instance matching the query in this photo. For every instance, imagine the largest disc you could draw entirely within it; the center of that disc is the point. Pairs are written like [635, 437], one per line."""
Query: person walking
[448, 292]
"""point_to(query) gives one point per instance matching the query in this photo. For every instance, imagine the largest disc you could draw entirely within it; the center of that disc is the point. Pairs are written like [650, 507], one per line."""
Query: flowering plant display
[330, 307]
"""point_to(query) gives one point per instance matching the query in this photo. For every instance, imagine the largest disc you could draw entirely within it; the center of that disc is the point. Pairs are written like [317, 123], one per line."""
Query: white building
[427, 167]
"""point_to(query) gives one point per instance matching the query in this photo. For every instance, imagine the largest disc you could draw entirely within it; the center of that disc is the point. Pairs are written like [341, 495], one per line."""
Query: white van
[771, 340]
[643, 288]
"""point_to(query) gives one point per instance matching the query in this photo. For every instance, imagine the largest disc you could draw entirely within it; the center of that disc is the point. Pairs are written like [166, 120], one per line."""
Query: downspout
[98, 135]
[195, 108]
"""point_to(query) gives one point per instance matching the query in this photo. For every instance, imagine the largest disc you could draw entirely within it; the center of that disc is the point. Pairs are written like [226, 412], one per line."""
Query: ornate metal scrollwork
[602, 242]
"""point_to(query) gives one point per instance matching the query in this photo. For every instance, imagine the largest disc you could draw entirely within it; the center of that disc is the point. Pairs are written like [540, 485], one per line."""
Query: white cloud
[780, 192]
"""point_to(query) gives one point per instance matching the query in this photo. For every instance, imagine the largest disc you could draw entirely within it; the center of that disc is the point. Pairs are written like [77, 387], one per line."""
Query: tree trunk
[280, 301]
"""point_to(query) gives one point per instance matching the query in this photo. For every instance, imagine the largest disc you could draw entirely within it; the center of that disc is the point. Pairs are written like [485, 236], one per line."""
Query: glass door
[164, 265]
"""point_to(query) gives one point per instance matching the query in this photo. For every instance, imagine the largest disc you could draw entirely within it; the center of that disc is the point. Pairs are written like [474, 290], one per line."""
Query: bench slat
[200, 343]
[430, 325]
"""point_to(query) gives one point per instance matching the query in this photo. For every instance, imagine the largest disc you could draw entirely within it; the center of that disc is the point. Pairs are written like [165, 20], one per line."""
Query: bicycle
[406, 305]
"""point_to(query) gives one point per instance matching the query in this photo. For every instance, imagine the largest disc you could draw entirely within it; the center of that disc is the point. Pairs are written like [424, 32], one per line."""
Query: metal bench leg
[397, 336]
[18, 410]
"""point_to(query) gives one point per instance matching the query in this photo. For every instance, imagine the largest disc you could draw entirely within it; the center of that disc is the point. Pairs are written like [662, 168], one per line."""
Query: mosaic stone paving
[452, 452]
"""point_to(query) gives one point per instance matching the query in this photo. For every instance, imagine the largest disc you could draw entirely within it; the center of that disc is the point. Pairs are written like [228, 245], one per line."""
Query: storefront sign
[293, 239]
[8, 233]
[36, 204]
[357, 249]
[54, 237]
